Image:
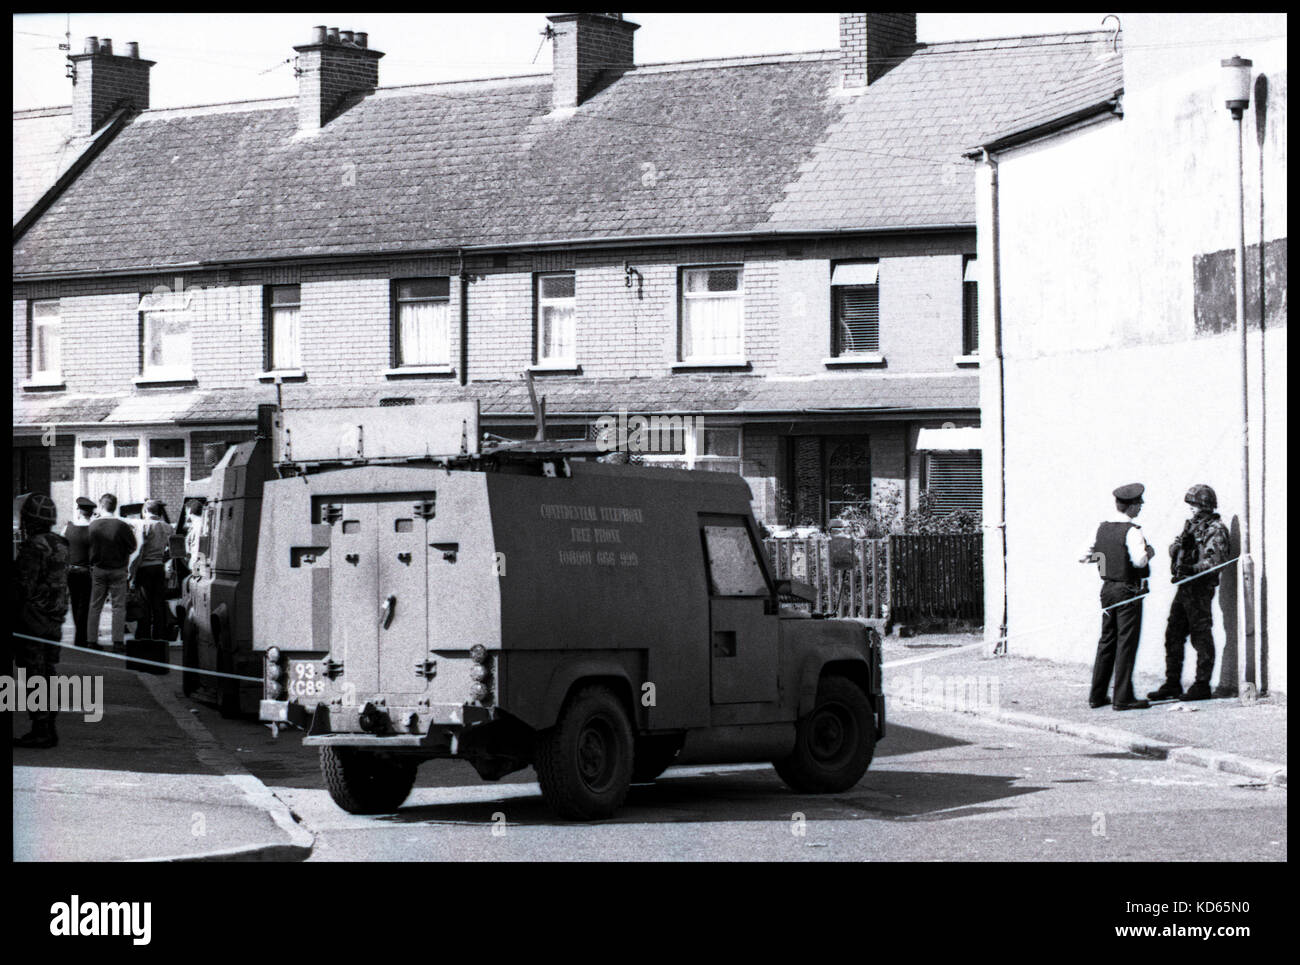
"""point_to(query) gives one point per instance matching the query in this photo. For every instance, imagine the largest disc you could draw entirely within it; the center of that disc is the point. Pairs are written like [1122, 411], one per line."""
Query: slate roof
[565, 396]
[731, 147]
[1094, 91]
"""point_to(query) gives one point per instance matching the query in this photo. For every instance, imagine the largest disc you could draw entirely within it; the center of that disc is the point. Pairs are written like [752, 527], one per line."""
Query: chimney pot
[361, 38]
[345, 36]
[318, 35]
[333, 37]
[133, 50]
[92, 45]
[106, 46]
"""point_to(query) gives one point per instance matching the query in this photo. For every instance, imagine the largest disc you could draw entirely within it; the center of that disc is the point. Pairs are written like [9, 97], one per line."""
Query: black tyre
[584, 762]
[653, 756]
[366, 782]
[834, 743]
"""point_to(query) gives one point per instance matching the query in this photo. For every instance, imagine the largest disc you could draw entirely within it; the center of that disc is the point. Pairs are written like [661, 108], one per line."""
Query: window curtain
[558, 332]
[284, 339]
[423, 328]
[124, 482]
[711, 328]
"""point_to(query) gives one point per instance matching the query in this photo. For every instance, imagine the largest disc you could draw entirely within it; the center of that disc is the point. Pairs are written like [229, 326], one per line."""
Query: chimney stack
[587, 45]
[330, 68]
[103, 82]
[870, 43]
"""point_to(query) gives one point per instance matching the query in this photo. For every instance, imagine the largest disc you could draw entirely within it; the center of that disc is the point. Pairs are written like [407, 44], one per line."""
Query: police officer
[40, 601]
[1124, 556]
[1202, 546]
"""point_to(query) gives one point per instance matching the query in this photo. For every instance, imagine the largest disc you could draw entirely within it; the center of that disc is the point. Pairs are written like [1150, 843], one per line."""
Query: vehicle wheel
[653, 756]
[584, 762]
[366, 782]
[189, 657]
[834, 743]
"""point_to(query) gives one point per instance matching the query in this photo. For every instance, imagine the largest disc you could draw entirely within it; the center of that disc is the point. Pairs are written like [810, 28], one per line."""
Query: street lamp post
[1236, 79]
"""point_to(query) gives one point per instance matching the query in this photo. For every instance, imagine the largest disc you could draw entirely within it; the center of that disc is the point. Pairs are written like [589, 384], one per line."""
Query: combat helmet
[34, 511]
[1201, 496]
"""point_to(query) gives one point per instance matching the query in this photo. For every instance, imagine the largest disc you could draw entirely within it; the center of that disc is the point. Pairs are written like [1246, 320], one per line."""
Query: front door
[743, 635]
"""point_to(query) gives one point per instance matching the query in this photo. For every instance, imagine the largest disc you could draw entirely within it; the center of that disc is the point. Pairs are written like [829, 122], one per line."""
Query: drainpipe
[996, 246]
[463, 276]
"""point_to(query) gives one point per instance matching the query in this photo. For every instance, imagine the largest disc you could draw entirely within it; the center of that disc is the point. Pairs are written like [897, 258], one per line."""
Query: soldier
[40, 590]
[77, 533]
[1202, 546]
[1124, 556]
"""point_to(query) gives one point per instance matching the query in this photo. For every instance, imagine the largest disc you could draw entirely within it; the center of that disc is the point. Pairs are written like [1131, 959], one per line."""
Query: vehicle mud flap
[879, 701]
[320, 722]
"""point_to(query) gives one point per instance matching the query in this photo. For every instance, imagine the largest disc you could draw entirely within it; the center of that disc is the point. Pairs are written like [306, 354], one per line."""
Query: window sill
[966, 361]
[418, 371]
[165, 381]
[556, 368]
[284, 375]
[722, 363]
[35, 386]
[852, 361]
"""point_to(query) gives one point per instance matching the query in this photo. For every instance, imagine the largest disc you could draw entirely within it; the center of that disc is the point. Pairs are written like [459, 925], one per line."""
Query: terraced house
[781, 246]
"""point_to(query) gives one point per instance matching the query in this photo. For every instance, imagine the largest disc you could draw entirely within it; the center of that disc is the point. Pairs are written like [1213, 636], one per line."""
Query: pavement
[1226, 734]
[146, 782]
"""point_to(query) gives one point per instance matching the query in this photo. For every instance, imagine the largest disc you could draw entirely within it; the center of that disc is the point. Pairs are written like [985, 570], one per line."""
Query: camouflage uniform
[1202, 545]
[40, 598]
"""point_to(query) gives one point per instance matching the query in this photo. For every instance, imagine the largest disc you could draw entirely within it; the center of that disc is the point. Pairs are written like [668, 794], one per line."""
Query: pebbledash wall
[1121, 353]
[622, 331]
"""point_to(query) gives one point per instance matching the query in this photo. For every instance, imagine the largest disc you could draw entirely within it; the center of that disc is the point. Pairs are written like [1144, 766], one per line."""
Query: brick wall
[622, 330]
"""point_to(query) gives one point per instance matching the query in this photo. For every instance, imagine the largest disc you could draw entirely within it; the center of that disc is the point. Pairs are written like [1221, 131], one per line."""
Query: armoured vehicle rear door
[742, 633]
[378, 587]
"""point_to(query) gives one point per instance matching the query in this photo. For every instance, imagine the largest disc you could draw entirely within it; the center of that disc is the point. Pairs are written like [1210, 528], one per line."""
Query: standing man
[77, 533]
[1124, 557]
[111, 543]
[40, 601]
[1200, 548]
[150, 576]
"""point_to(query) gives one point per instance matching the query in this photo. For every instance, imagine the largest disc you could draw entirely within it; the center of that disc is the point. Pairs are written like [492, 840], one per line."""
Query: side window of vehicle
[734, 569]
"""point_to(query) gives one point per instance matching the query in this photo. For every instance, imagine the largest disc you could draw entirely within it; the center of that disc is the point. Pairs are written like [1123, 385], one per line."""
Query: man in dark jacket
[112, 542]
[40, 602]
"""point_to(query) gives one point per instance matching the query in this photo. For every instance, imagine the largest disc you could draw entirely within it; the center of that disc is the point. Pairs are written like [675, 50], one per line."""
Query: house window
[283, 304]
[855, 303]
[134, 468]
[713, 301]
[954, 481]
[556, 336]
[46, 342]
[165, 345]
[970, 308]
[686, 443]
[422, 321]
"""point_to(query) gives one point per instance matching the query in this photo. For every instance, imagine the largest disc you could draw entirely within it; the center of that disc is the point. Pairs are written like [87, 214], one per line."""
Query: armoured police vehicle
[526, 604]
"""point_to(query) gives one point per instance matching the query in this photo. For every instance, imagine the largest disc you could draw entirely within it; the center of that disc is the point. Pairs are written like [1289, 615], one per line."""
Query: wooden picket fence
[902, 578]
